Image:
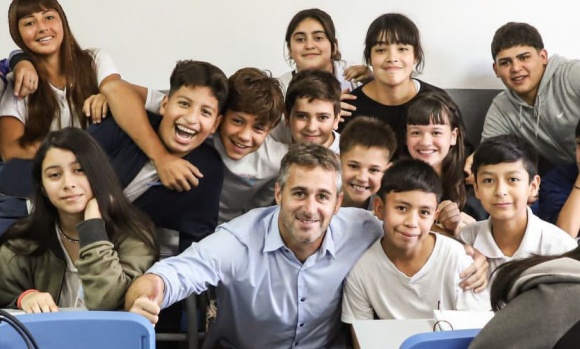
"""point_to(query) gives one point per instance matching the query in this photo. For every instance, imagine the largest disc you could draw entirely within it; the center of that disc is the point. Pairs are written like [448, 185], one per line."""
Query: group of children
[210, 150]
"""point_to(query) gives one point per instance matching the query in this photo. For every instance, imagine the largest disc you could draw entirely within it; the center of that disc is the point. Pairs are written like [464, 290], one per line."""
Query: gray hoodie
[543, 306]
[549, 125]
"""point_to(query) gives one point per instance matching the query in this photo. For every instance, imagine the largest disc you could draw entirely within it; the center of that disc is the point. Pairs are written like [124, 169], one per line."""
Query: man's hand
[145, 296]
[38, 302]
[176, 173]
[475, 276]
[25, 79]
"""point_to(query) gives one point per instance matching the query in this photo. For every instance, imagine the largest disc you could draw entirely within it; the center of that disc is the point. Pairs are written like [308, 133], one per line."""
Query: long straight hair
[76, 64]
[121, 218]
[438, 108]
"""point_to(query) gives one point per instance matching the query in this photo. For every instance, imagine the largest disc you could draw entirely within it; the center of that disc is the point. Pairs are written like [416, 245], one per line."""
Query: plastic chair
[456, 339]
[82, 329]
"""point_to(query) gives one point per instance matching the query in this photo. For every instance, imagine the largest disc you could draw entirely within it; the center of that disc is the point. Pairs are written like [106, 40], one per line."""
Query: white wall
[147, 37]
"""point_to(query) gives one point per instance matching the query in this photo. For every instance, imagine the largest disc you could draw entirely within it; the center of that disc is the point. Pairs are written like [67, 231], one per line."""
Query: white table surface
[387, 334]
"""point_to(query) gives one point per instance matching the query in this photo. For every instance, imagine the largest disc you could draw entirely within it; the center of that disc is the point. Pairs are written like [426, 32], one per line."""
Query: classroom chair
[79, 329]
[456, 339]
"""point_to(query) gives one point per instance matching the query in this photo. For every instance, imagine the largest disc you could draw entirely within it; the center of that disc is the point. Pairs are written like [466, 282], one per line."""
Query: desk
[387, 334]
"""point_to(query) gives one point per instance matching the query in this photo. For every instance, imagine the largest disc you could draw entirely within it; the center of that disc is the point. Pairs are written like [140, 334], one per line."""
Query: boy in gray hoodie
[542, 99]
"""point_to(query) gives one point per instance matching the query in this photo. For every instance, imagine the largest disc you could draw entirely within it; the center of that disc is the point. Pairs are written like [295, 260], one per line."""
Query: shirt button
[302, 299]
[286, 250]
[296, 343]
[301, 325]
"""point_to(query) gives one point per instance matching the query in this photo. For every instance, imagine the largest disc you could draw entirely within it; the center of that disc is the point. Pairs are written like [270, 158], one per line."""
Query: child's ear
[535, 186]
[334, 55]
[476, 190]
[163, 105]
[378, 207]
[454, 136]
[218, 121]
[336, 122]
[494, 65]
[287, 118]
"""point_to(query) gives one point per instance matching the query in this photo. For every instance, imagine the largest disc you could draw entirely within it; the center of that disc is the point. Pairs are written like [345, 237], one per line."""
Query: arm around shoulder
[569, 219]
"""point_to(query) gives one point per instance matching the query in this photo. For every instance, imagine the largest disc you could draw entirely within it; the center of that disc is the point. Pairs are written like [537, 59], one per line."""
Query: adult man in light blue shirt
[278, 270]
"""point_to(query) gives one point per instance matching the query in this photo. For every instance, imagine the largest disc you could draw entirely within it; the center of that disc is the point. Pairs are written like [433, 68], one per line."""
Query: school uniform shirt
[249, 181]
[18, 108]
[267, 298]
[540, 237]
[376, 286]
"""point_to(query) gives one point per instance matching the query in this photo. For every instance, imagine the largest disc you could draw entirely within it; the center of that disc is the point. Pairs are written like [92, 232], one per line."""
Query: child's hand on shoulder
[92, 210]
[449, 216]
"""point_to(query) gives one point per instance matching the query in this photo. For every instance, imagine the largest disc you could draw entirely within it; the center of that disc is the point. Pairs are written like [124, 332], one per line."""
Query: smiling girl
[68, 75]
[434, 133]
[312, 44]
[83, 242]
[393, 50]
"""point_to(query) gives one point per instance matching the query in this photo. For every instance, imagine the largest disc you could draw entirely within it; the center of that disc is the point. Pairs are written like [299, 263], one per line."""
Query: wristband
[19, 300]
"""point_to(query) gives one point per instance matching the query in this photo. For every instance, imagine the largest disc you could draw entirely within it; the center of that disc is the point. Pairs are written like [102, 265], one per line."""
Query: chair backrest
[82, 329]
[457, 339]
[473, 104]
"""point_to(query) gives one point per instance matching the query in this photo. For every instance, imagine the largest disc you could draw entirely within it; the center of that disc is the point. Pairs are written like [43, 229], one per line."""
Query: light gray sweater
[550, 123]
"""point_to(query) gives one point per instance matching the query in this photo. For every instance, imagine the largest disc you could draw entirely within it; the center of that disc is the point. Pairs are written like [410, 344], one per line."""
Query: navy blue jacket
[193, 213]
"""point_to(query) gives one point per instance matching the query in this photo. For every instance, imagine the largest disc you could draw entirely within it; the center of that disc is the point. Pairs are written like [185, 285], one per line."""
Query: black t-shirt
[391, 114]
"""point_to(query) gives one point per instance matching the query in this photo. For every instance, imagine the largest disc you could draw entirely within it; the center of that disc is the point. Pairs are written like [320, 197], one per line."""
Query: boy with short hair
[542, 100]
[411, 271]
[252, 159]
[560, 194]
[190, 113]
[366, 147]
[505, 170]
[313, 108]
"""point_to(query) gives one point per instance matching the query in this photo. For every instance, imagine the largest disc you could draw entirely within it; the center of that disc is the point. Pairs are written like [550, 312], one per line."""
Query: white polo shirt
[540, 237]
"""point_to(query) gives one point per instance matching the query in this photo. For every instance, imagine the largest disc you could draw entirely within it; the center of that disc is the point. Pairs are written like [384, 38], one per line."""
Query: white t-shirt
[376, 286]
[249, 181]
[18, 108]
[540, 237]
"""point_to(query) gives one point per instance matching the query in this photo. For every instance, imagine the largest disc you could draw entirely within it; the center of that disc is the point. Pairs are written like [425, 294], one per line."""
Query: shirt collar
[486, 244]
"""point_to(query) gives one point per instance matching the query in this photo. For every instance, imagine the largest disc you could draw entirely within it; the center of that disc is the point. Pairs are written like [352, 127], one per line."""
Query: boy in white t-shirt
[505, 170]
[411, 271]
